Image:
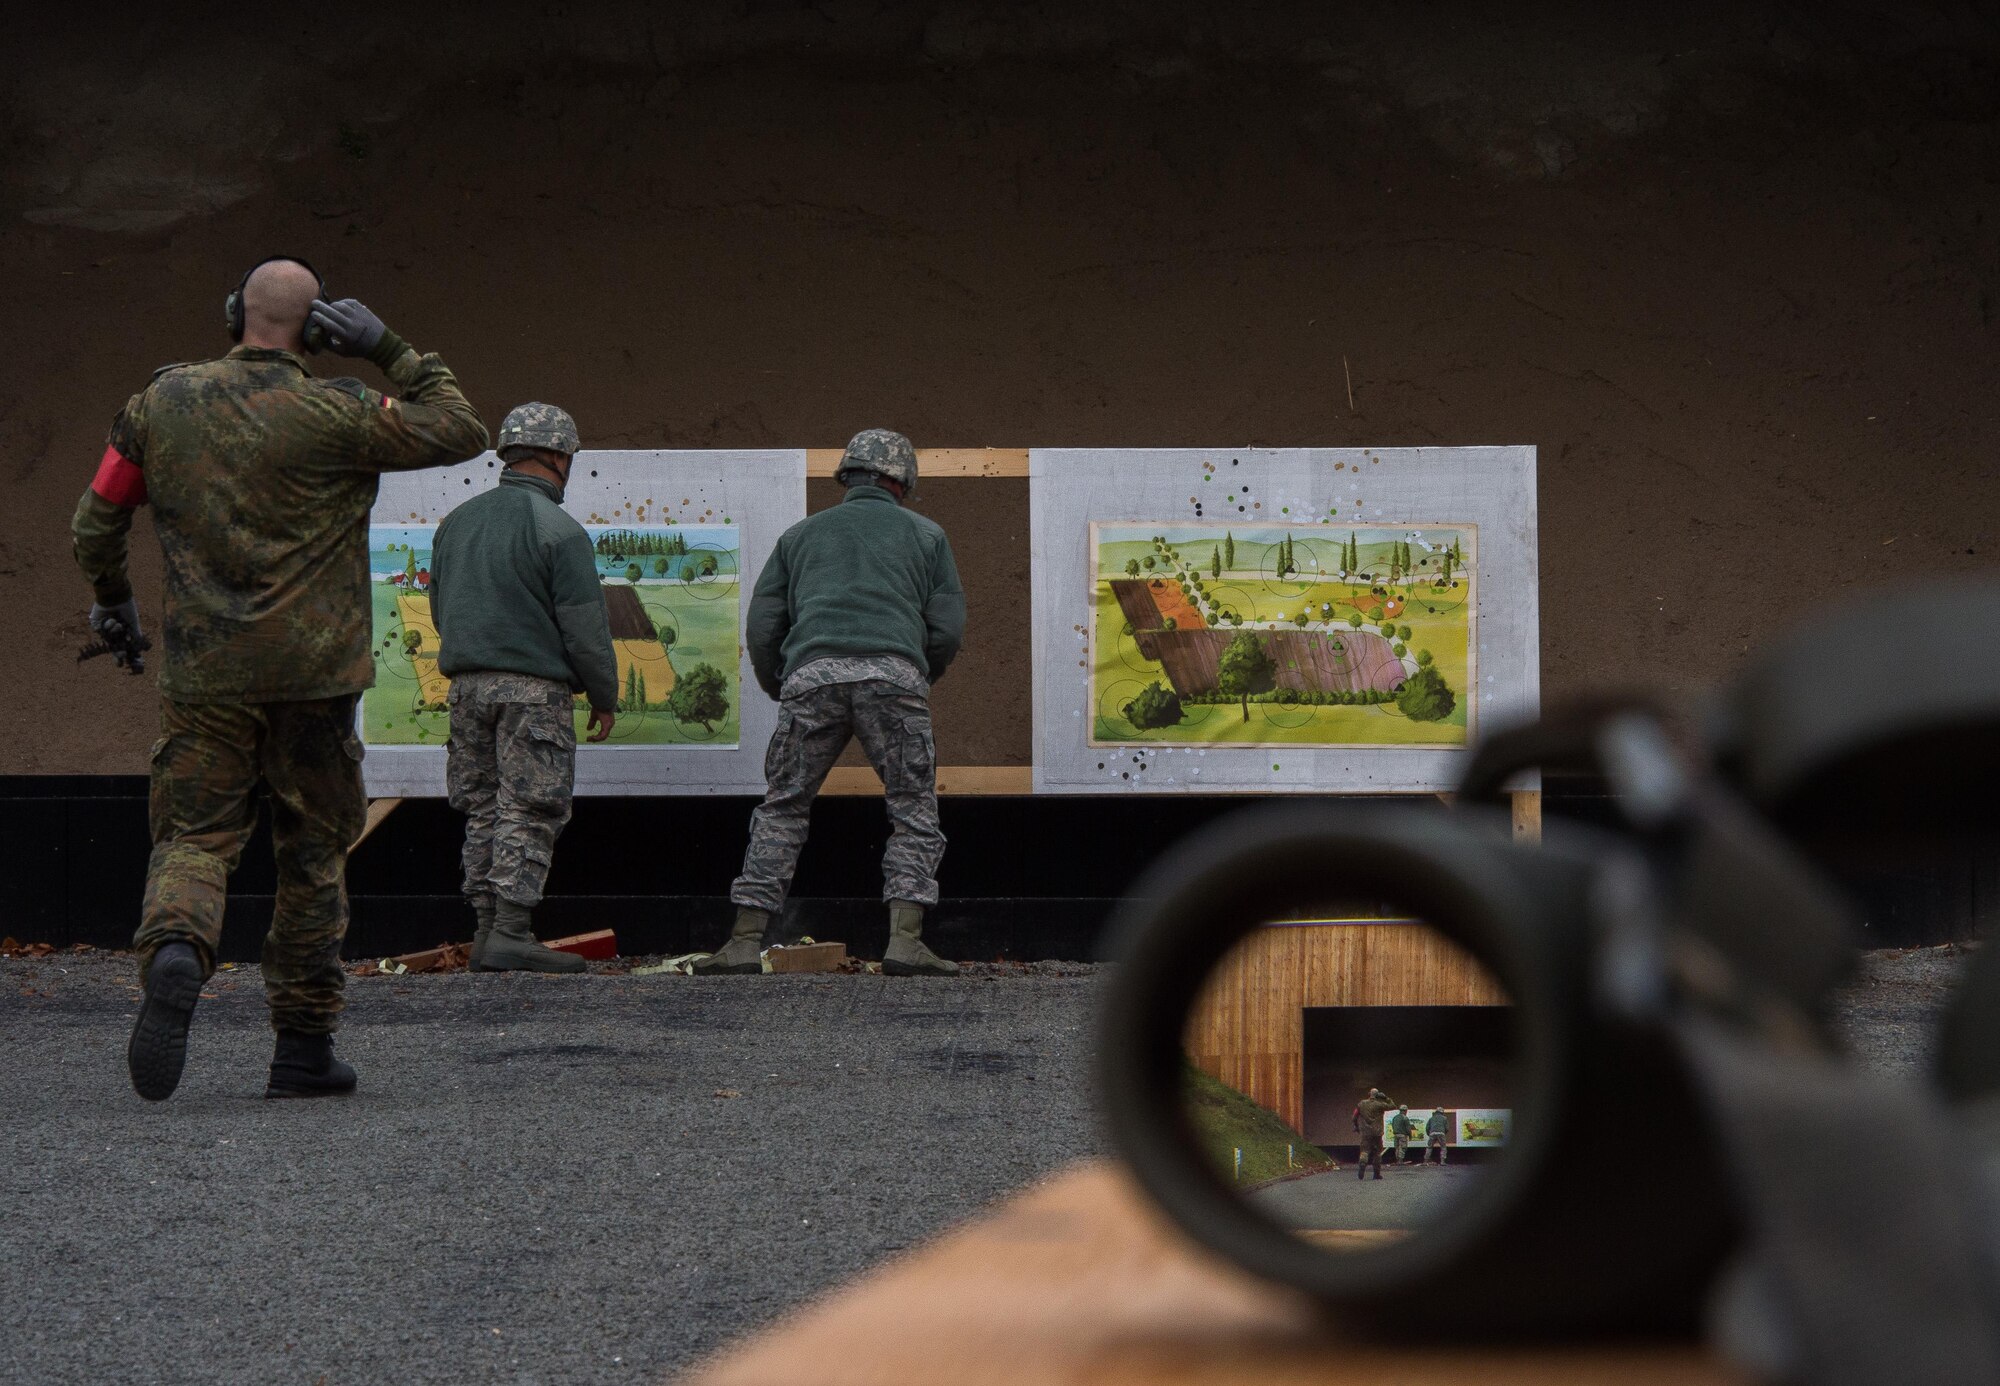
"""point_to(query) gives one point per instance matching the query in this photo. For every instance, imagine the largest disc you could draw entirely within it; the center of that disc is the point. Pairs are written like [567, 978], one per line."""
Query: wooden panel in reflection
[1247, 1028]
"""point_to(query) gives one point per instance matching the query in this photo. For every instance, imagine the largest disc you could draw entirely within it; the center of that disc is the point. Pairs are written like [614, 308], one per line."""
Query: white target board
[1273, 620]
[680, 537]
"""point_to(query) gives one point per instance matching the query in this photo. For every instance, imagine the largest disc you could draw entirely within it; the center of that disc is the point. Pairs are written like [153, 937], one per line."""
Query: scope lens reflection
[1351, 1080]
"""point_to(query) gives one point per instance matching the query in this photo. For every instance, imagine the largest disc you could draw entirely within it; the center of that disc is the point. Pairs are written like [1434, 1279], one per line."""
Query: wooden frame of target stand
[854, 780]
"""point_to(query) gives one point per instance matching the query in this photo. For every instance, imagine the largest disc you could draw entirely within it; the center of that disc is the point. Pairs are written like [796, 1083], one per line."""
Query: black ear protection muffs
[232, 306]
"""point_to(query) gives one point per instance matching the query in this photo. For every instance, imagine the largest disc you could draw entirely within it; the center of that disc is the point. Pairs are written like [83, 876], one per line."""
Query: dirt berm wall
[1730, 267]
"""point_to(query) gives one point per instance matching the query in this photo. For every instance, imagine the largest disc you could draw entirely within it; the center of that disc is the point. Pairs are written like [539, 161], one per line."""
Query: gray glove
[126, 614]
[118, 635]
[352, 329]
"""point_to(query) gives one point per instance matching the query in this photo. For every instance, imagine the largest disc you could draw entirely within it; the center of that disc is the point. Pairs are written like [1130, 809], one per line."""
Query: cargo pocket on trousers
[159, 779]
[919, 753]
[547, 779]
[778, 755]
[353, 797]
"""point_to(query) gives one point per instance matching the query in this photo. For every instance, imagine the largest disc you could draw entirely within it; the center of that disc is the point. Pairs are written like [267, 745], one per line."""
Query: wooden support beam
[1081, 1279]
[443, 958]
[807, 957]
[951, 779]
[859, 780]
[378, 810]
[601, 943]
[1527, 815]
[934, 462]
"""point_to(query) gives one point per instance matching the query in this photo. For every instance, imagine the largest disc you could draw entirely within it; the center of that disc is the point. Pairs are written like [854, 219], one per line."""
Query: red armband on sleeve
[120, 480]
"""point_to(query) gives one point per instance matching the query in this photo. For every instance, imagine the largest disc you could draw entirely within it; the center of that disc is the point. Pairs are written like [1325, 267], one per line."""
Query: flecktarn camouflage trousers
[206, 767]
[814, 727]
[511, 770]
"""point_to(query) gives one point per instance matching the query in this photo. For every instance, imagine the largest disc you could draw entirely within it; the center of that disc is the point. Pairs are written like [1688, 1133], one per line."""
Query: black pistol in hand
[116, 639]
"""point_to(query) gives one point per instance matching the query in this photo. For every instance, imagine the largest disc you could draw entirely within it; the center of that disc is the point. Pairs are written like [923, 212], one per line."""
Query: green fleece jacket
[864, 578]
[514, 589]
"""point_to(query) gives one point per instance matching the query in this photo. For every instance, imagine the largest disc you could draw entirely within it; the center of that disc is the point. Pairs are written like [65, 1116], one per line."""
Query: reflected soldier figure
[1399, 1131]
[1368, 1114]
[522, 626]
[1436, 1129]
[261, 478]
[858, 612]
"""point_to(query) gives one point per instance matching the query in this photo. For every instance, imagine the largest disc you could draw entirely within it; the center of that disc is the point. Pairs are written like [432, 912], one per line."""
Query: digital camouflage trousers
[511, 770]
[814, 727]
[206, 768]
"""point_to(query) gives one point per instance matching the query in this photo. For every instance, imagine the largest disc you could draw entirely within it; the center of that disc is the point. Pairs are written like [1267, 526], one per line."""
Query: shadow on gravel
[987, 1061]
[572, 1055]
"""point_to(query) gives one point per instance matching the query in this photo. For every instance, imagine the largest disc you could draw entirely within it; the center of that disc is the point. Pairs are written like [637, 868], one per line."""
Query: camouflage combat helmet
[537, 426]
[884, 452]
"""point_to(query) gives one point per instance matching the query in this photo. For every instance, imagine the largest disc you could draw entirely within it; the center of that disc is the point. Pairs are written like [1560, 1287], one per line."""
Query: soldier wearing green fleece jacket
[522, 627]
[857, 613]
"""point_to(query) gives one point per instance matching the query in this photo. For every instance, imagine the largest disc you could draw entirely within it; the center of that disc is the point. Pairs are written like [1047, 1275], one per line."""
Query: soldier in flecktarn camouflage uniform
[261, 478]
[522, 626]
[857, 613]
[1368, 1114]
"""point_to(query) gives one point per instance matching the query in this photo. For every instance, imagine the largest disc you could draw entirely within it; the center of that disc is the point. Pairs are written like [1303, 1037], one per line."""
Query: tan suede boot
[906, 955]
[744, 953]
[477, 953]
[511, 946]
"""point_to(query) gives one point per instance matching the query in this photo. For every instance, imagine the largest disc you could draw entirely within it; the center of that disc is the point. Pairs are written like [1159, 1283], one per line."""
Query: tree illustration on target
[702, 695]
[1245, 669]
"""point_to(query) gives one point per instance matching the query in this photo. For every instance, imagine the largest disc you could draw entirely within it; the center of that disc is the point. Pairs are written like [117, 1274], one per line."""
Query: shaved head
[275, 302]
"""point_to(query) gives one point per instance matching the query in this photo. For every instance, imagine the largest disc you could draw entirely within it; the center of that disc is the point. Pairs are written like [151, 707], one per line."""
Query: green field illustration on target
[673, 596]
[1282, 635]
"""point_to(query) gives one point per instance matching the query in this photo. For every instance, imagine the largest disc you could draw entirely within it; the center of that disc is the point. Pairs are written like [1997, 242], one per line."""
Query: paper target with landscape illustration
[677, 536]
[1279, 619]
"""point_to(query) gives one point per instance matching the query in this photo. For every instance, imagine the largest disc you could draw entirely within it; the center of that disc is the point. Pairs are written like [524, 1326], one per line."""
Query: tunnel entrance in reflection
[1352, 1080]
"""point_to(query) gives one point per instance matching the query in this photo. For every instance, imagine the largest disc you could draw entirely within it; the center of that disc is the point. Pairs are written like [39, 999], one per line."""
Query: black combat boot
[159, 1039]
[303, 1066]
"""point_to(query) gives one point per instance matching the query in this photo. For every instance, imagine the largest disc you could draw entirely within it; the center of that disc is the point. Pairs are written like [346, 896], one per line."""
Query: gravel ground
[1409, 1196]
[1889, 1016]
[542, 1179]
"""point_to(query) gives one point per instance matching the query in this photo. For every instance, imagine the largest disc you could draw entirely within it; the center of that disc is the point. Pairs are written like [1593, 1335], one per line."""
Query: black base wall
[1024, 878]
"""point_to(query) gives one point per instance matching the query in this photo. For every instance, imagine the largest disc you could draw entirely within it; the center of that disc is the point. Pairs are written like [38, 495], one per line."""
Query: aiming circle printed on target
[1307, 567]
[396, 666]
[1427, 601]
[1113, 697]
[1227, 596]
[701, 580]
[660, 611]
[1282, 714]
[1111, 700]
